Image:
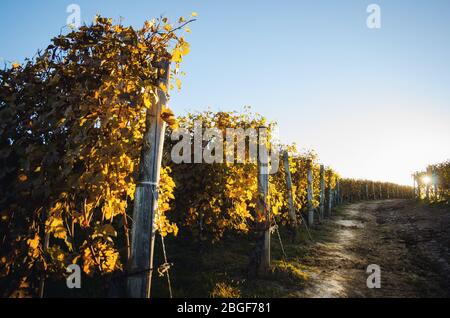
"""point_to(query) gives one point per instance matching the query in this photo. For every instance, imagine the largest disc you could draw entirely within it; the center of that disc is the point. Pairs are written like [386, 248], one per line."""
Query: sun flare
[426, 179]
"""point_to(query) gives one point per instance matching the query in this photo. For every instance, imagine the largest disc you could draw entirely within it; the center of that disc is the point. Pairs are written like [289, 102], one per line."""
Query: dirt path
[409, 241]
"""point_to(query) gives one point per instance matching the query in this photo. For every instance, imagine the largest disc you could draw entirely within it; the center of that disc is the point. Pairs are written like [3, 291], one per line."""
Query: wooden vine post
[419, 190]
[310, 194]
[367, 191]
[381, 192]
[263, 192]
[330, 193]
[338, 193]
[373, 191]
[140, 265]
[322, 193]
[387, 192]
[287, 170]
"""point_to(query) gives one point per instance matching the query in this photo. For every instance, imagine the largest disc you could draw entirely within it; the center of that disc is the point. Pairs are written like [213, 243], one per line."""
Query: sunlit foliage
[71, 128]
[438, 185]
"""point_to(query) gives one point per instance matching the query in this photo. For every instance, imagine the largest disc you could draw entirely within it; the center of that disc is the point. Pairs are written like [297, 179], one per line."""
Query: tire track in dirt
[408, 241]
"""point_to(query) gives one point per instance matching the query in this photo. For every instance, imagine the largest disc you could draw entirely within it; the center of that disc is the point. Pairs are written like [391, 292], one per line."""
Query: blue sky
[372, 103]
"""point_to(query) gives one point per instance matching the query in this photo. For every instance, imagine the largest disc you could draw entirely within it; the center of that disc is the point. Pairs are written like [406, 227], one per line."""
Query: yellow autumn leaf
[185, 48]
[108, 211]
[56, 208]
[163, 87]
[188, 30]
[60, 232]
[60, 256]
[194, 14]
[34, 242]
[88, 261]
[176, 55]
[75, 259]
[167, 27]
[178, 82]
[147, 101]
[37, 169]
[149, 24]
[15, 65]
[168, 116]
[23, 178]
[175, 230]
